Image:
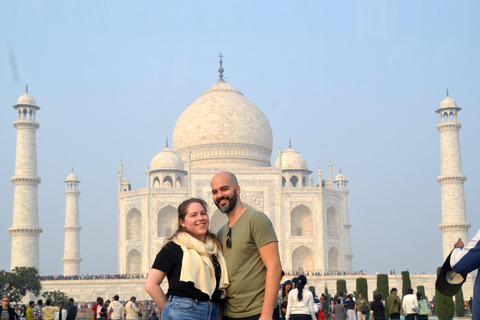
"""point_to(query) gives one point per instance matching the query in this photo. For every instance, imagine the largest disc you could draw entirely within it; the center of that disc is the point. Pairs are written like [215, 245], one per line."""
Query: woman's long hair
[284, 293]
[302, 281]
[182, 212]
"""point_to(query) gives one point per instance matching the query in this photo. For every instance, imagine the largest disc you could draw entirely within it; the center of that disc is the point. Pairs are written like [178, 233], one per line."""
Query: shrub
[341, 286]
[406, 283]
[312, 290]
[443, 304]
[422, 290]
[459, 304]
[362, 288]
[382, 285]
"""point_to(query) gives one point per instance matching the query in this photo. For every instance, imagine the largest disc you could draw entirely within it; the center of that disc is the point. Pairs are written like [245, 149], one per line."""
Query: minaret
[71, 256]
[25, 230]
[454, 218]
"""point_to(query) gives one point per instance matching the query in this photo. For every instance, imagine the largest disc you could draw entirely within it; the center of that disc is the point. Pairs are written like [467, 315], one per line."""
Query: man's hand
[459, 244]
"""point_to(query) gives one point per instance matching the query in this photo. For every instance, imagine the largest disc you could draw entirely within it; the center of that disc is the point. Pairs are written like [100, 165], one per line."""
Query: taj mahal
[221, 131]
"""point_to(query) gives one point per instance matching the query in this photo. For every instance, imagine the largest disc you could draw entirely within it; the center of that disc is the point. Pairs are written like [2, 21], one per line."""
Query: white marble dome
[167, 160]
[72, 177]
[223, 129]
[448, 103]
[341, 177]
[292, 159]
[26, 98]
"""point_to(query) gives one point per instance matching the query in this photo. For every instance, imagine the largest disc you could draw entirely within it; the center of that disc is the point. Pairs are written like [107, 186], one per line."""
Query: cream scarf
[197, 266]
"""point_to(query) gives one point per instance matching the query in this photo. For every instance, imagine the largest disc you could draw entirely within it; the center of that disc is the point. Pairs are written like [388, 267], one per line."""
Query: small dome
[167, 159]
[26, 98]
[72, 177]
[448, 103]
[291, 159]
[340, 177]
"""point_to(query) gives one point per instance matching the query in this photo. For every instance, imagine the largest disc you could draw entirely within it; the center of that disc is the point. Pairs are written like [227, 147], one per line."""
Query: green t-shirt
[360, 303]
[246, 270]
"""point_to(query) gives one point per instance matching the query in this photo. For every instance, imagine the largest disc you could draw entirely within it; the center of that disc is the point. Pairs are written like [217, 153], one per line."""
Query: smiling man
[250, 248]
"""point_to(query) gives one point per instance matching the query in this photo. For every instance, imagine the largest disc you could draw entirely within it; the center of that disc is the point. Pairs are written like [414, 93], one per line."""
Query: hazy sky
[354, 82]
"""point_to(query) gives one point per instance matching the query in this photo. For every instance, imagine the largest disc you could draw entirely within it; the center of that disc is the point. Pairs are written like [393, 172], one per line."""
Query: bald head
[226, 176]
[226, 191]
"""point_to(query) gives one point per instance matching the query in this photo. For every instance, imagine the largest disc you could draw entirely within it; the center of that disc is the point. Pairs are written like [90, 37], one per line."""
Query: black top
[349, 304]
[169, 260]
[378, 309]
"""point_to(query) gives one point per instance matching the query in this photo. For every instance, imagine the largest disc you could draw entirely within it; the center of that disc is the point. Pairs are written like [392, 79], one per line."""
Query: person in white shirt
[61, 314]
[410, 305]
[300, 302]
[132, 310]
[115, 309]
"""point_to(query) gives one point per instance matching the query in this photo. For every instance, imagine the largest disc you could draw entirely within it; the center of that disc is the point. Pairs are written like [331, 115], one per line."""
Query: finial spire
[290, 143]
[167, 142]
[26, 88]
[72, 169]
[447, 92]
[220, 70]
[340, 170]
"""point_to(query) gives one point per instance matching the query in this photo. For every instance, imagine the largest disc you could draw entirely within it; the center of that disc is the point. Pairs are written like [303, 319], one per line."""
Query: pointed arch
[167, 182]
[303, 259]
[333, 223]
[167, 221]
[156, 182]
[178, 183]
[133, 225]
[333, 260]
[293, 181]
[134, 262]
[301, 221]
[284, 181]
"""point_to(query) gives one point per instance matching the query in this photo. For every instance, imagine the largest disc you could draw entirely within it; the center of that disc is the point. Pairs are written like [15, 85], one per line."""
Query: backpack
[365, 309]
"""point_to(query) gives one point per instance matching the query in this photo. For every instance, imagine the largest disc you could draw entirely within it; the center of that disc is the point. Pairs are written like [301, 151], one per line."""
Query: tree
[406, 283]
[382, 285]
[421, 289]
[312, 290]
[55, 296]
[443, 304]
[341, 286]
[15, 284]
[327, 296]
[459, 304]
[362, 288]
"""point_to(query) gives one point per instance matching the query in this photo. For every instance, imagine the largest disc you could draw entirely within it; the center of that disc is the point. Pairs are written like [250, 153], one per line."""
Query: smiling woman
[193, 262]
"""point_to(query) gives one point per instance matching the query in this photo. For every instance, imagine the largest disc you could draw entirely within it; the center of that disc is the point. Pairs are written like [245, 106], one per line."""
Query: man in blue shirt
[465, 260]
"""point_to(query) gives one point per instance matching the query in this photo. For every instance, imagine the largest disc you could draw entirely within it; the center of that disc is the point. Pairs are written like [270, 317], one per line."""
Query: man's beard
[231, 203]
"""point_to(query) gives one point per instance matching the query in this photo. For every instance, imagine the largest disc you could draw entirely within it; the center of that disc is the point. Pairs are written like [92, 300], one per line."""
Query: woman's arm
[152, 286]
[310, 305]
[289, 305]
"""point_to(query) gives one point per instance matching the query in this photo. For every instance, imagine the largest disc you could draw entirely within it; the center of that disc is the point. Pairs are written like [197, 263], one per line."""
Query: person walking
[422, 307]
[193, 262]
[339, 311]
[72, 310]
[6, 311]
[393, 304]
[410, 305]
[350, 307]
[300, 302]
[37, 311]
[132, 310]
[377, 307]
[29, 312]
[115, 309]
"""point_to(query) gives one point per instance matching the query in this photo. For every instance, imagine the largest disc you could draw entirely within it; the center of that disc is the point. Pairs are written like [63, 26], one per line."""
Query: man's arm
[466, 259]
[271, 260]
